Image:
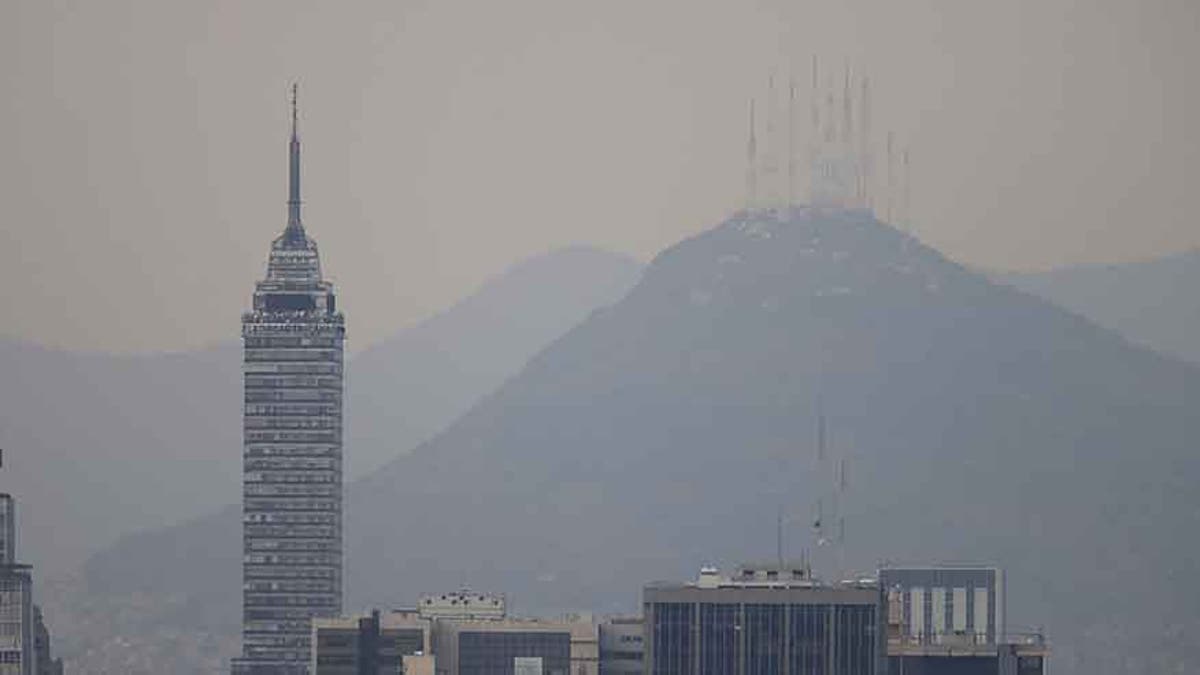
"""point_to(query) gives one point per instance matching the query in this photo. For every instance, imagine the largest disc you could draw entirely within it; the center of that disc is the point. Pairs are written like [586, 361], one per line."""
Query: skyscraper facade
[17, 654]
[292, 450]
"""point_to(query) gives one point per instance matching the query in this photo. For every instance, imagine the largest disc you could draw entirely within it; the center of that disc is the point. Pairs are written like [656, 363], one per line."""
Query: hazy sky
[143, 142]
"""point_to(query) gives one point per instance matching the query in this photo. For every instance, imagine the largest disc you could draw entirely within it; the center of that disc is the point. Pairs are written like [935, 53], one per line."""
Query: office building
[763, 619]
[46, 663]
[515, 647]
[451, 634]
[622, 645]
[21, 625]
[951, 621]
[8, 530]
[371, 644]
[17, 653]
[292, 450]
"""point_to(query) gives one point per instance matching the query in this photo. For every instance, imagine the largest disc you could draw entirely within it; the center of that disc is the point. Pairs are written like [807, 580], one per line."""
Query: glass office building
[760, 622]
[292, 451]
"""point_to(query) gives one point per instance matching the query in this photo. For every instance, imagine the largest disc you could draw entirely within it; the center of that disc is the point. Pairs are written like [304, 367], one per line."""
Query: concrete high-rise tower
[292, 450]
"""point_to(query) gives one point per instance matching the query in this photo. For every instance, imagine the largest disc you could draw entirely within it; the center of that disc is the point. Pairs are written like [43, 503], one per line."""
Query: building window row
[291, 422]
[292, 505]
[289, 531]
[253, 436]
[291, 341]
[292, 450]
[275, 489]
[254, 381]
[327, 544]
[314, 476]
[299, 395]
[305, 408]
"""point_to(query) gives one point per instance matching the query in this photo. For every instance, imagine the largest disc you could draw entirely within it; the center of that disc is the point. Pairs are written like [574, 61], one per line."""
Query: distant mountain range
[98, 446]
[1154, 303]
[976, 422]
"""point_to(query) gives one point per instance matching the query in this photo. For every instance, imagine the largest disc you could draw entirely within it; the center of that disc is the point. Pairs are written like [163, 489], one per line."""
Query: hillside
[1153, 303]
[667, 430]
[98, 446]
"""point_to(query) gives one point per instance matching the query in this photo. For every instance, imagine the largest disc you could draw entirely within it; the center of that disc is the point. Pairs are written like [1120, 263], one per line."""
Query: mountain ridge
[84, 430]
[667, 430]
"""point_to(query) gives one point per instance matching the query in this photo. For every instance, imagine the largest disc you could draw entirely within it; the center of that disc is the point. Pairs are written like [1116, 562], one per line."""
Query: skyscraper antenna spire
[295, 229]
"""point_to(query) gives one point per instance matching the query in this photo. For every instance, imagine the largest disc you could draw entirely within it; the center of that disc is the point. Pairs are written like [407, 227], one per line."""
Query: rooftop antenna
[294, 229]
[751, 163]
[779, 537]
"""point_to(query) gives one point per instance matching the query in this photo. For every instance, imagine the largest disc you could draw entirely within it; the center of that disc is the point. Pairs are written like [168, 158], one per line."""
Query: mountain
[404, 389]
[1152, 302]
[100, 445]
[666, 431]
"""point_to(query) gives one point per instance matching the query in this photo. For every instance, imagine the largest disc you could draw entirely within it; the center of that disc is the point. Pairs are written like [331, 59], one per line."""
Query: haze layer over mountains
[978, 423]
[102, 446]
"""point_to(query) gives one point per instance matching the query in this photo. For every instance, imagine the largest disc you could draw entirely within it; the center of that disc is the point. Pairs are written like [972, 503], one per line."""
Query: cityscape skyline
[819, 361]
[1070, 134]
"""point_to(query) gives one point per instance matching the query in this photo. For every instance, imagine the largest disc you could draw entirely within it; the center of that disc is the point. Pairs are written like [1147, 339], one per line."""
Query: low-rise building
[515, 647]
[622, 645]
[368, 644]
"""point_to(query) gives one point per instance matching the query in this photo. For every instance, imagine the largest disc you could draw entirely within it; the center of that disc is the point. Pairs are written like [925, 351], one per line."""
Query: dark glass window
[289, 302]
[673, 650]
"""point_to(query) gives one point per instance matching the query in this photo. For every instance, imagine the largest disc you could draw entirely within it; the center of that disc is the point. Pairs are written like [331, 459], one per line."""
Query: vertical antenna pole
[864, 121]
[771, 146]
[751, 163]
[814, 137]
[908, 222]
[779, 537]
[791, 143]
[891, 170]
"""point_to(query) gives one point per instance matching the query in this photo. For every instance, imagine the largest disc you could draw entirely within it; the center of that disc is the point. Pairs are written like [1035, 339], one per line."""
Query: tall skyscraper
[17, 653]
[8, 530]
[292, 455]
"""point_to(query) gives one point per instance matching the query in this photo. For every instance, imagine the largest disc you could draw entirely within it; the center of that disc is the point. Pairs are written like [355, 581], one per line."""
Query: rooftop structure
[516, 646]
[462, 604]
[951, 619]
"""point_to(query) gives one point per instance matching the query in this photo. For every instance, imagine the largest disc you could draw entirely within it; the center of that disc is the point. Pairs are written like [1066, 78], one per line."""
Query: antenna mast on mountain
[864, 122]
[891, 170]
[907, 197]
[771, 151]
[814, 138]
[751, 164]
[791, 149]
